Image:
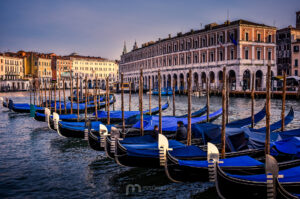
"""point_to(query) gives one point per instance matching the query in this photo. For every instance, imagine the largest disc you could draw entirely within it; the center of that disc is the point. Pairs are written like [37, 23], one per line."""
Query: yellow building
[2, 72]
[92, 67]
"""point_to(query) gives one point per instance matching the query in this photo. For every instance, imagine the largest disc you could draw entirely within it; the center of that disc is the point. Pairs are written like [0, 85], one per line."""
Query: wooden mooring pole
[252, 101]
[108, 105]
[122, 105]
[129, 107]
[71, 90]
[223, 138]
[268, 99]
[159, 102]
[150, 96]
[141, 103]
[189, 127]
[283, 101]
[64, 92]
[77, 93]
[174, 107]
[96, 99]
[86, 96]
[207, 100]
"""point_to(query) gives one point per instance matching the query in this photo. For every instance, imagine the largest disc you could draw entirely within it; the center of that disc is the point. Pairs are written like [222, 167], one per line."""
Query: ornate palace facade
[241, 46]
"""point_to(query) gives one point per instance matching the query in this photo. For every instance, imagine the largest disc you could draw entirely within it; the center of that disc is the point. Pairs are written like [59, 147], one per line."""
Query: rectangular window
[258, 54]
[203, 58]
[246, 54]
[270, 38]
[258, 37]
[269, 55]
[296, 62]
[296, 49]
[232, 54]
[211, 56]
[247, 36]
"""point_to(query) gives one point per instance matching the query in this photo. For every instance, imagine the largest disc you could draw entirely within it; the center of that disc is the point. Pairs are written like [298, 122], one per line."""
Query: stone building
[243, 47]
[92, 67]
[285, 38]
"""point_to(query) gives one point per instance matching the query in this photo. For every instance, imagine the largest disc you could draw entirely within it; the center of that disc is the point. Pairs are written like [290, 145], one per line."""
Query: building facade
[241, 46]
[94, 67]
[285, 38]
[11, 67]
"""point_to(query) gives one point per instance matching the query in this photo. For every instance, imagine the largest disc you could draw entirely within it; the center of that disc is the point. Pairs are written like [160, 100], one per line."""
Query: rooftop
[211, 26]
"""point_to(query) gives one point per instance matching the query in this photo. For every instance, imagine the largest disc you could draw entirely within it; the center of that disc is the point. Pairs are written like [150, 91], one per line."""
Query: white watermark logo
[130, 188]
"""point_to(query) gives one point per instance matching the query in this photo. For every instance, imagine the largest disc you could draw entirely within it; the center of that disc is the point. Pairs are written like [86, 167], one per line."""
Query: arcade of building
[241, 46]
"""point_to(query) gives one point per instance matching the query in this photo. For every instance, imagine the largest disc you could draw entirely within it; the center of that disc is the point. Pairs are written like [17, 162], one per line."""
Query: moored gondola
[273, 184]
[247, 162]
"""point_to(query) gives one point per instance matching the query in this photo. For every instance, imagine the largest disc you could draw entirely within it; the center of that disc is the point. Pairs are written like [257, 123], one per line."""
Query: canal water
[36, 162]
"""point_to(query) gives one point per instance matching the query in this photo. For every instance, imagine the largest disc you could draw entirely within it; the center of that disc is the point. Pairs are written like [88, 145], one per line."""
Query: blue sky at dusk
[100, 27]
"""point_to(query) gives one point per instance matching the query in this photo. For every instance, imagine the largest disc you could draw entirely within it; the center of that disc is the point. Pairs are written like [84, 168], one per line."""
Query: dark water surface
[36, 162]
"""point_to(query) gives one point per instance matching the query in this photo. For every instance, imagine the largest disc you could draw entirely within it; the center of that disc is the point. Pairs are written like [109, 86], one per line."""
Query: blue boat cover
[149, 150]
[138, 140]
[240, 161]
[80, 126]
[188, 151]
[288, 146]
[127, 114]
[290, 175]
[169, 123]
[247, 121]
[244, 138]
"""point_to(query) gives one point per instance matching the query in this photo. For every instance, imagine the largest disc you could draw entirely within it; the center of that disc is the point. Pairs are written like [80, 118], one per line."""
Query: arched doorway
[246, 80]
[169, 86]
[211, 77]
[203, 79]
[164, 82]
[196, 84]
[175, 80]
[258, 80]
[181, 85]
[232, 80]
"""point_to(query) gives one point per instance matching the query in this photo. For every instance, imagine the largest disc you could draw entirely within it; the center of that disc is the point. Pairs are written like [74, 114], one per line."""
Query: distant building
[243, 47]
[37, 65]
[11, 67]
[94, 67]
[285, 38]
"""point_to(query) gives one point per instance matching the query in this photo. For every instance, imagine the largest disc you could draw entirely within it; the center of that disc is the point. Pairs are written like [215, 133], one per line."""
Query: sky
[100, 27]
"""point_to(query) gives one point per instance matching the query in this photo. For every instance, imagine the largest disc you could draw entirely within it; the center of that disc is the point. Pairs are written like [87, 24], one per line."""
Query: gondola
[180, 170]
[23, 108]
[40, 116]
[116, 116]
[273, 184]
[169, 123]
[90, 107]
[149, 155]
[94, 137]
